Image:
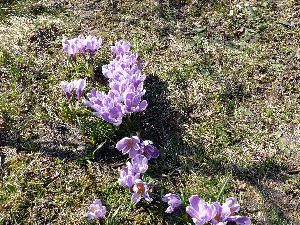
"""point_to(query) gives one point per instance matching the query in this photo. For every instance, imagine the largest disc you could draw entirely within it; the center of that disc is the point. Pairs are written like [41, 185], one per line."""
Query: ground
[223, 91]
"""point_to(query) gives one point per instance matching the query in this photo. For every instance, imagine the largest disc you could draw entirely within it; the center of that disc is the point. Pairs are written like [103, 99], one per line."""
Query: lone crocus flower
[92, 44]
[173, 201]
[199, 210]
[96, 210]
[67, 88]
[129, 145]
[79, 85]
[225, 213]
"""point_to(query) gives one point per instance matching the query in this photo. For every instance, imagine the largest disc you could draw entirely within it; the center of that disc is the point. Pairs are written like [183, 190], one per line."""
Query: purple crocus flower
[129, 145]
[106, 106]
[149, 150]
[121, 87]
[137, 187]
[134, 103]
[70, 47]
[225, 213]
[81, 44]
[121, 47]
[92, 44]
[241, 220]
[199, 210]
[96, 210]
[111, 113]
[79, 85]
[67, 88]
[127, 177]
[139, 164]
[173, 201]
[140, 190]
[232, 204]
[137, 81]
[221, 214]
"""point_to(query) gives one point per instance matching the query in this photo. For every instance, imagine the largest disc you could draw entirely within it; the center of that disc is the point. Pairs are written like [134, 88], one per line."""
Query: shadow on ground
[163, 123]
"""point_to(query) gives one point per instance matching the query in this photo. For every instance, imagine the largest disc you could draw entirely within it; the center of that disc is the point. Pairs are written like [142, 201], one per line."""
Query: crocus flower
[199, 210]
[106, 106]
[79, 85]
[129, 145]
[149, 150]
[225, 213]
[81, 44]
[70, 47]
[134, 103]
[137, 81]
[122, 87]
[96, 210]
[92, 44]
[232, 204]
[127, 177]
[221, 214]
[112, 115]
[121, 47]
[67, 88]
[173, 201]
[139, 164]
[140, 190]
[241, 220]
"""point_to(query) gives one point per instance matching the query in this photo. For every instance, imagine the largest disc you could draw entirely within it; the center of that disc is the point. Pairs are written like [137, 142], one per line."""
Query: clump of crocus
[69, 87]
[202, 212]
[96, 210]
[133, 146]
[131, 175]
[80, 45]
[173, 201]
[126, 81]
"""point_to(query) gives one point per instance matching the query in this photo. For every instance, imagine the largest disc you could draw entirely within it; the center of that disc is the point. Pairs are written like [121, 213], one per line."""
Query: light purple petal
[242, 220]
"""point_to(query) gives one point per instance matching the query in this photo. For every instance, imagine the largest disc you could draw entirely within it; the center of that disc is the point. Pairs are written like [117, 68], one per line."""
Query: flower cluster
[139, 152]
[77, 85]
[81, 45]
[96, 210]
[126, 83]
[215, 213]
